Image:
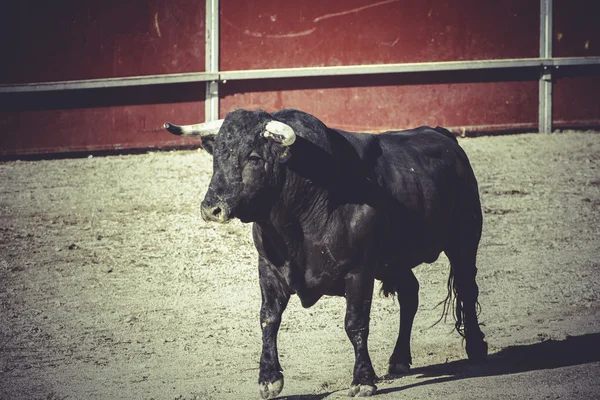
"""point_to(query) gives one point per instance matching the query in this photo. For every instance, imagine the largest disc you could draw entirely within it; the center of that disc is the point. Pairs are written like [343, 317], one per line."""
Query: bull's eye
[252, 172]
[254, 157]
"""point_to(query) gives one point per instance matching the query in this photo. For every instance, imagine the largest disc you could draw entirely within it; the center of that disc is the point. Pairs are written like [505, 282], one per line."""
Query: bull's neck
[302, 210]
[304, 200]
[322, 174]
[310, 175]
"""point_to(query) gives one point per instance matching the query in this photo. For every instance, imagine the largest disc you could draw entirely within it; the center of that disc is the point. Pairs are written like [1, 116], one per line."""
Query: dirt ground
[112, 286]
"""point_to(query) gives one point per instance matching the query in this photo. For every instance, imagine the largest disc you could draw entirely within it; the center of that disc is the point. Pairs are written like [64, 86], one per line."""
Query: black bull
[334, 210]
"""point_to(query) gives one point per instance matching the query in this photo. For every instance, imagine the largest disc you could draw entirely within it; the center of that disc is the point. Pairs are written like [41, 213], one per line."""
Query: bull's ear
[207, 143]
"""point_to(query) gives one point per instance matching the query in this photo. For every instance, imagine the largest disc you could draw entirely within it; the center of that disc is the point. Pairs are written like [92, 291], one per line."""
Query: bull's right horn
[206, 128]
[280, 132]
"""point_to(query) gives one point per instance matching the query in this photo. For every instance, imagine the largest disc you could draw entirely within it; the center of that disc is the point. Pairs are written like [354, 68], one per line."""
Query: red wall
[272, 34]
[278, 34]
[576, 34]
[74, 39]
[82, 40]
[378, 103]
[79, 39]
[90, 120]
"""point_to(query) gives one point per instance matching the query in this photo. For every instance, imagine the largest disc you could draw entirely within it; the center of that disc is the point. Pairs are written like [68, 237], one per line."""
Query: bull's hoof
[269, 390]
[477, 351]
[398, 369]
[362, 390]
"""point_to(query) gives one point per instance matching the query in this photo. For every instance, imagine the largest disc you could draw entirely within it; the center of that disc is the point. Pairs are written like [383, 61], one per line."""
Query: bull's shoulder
[365, 145]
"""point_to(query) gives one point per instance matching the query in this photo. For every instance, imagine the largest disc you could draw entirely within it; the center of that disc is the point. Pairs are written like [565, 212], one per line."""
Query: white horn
[280, 132]
[206, 128]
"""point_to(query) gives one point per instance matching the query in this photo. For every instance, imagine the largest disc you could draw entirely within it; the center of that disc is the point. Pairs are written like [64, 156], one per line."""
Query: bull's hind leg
[407, 289]
[462, 253]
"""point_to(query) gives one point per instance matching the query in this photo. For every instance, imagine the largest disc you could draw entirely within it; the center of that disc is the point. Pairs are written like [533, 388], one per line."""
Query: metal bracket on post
[545, 82]
[211, 108]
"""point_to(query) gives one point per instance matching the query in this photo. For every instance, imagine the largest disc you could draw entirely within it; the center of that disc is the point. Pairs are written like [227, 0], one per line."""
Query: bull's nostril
[216, 211]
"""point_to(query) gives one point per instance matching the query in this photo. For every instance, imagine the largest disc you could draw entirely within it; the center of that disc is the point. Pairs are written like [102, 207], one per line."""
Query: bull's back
[421, 161]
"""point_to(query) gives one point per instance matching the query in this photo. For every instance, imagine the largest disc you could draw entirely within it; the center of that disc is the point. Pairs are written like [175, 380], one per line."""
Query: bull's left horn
[206, 128]
[280, 132]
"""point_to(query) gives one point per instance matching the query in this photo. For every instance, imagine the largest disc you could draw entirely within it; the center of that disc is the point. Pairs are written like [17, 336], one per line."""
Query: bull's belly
[316, 281]
[309, 296]
[323, 272]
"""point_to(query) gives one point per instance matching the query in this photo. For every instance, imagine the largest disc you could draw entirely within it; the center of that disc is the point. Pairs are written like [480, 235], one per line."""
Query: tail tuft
[387, 290]
[452, 304]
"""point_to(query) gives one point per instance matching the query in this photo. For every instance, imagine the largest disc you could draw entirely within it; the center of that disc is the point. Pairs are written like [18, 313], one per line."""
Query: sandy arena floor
[112, 286]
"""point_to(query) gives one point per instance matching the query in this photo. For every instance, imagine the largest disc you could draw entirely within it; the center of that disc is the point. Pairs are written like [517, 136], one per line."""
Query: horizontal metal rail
[408, 68]
[127, 81]
[372, 69]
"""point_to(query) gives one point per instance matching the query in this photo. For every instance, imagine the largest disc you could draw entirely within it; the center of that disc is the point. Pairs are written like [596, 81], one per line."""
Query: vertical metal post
[545, 83]
[211, 108]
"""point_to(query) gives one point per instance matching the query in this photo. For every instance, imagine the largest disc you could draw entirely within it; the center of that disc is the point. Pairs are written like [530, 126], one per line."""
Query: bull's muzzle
[218, 212]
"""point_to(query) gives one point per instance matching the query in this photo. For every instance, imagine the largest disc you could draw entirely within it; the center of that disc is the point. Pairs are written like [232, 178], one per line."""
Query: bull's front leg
[274, 301]
[359, 293]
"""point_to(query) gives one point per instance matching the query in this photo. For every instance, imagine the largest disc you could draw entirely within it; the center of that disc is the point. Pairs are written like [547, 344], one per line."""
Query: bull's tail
[387, 289]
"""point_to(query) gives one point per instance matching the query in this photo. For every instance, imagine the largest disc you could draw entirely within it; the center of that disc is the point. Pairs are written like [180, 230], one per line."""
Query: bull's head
[248, 148]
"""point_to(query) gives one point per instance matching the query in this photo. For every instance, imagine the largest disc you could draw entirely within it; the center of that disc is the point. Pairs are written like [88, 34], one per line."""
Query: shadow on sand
[574, 350]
